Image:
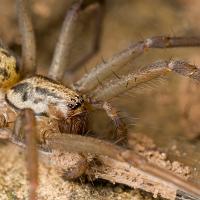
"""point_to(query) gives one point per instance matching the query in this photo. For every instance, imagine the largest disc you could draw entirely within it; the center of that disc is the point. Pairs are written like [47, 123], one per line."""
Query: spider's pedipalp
[105, 69]
[119, 124]
[117, 87]
[28, 39]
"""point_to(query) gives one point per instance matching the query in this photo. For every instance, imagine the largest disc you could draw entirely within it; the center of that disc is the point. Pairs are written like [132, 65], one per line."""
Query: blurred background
[168, 111]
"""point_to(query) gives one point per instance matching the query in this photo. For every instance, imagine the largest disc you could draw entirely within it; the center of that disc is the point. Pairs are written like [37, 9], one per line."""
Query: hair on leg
[89, 81]
[154, 71]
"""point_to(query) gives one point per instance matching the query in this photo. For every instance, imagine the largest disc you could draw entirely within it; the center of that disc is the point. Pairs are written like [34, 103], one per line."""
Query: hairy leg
[152, 72]
[28, 39]
[102, 71]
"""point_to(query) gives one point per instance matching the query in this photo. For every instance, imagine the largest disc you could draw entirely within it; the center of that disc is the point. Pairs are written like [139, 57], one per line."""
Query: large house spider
[44, 113]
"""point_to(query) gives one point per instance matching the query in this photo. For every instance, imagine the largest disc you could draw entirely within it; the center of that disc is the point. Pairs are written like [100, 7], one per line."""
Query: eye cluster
[76, 102]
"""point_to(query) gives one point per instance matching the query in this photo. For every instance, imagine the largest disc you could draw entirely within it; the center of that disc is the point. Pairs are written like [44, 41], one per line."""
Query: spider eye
[74, 106]
[70, 105]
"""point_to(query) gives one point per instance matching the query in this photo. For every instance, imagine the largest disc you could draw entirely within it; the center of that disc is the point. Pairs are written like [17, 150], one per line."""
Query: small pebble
[118, 189]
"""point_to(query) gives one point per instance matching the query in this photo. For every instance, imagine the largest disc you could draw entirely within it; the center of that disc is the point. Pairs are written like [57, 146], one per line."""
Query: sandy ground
[13, 184]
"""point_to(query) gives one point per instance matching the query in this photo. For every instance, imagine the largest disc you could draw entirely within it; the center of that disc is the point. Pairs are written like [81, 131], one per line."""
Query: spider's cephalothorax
[48, 98]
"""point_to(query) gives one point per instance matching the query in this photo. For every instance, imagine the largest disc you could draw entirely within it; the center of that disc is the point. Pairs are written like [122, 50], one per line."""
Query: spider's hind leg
[97, 9]
[28, 39]
[64, 45]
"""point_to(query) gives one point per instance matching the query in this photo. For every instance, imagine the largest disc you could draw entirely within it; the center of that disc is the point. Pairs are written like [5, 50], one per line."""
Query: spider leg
[64, 44]
[78, 143]
[98, 11]
[117, 87]
[28, 39]
[61, 54]
[91, 80]
[114, 116]
[25, 129]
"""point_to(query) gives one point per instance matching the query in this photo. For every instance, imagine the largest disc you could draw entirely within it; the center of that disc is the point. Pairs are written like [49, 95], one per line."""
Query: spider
[44, 113]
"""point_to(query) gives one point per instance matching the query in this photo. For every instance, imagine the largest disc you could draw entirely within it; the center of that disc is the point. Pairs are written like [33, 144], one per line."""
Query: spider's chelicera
[62, 113]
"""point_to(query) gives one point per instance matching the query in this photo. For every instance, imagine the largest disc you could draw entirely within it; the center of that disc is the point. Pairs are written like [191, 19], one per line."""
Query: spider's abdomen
[49, 98]
[9, 70]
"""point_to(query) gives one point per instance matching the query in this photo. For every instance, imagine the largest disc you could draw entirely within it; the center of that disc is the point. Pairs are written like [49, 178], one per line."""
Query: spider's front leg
[27, 127]
[77, 143]
[104, 70]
